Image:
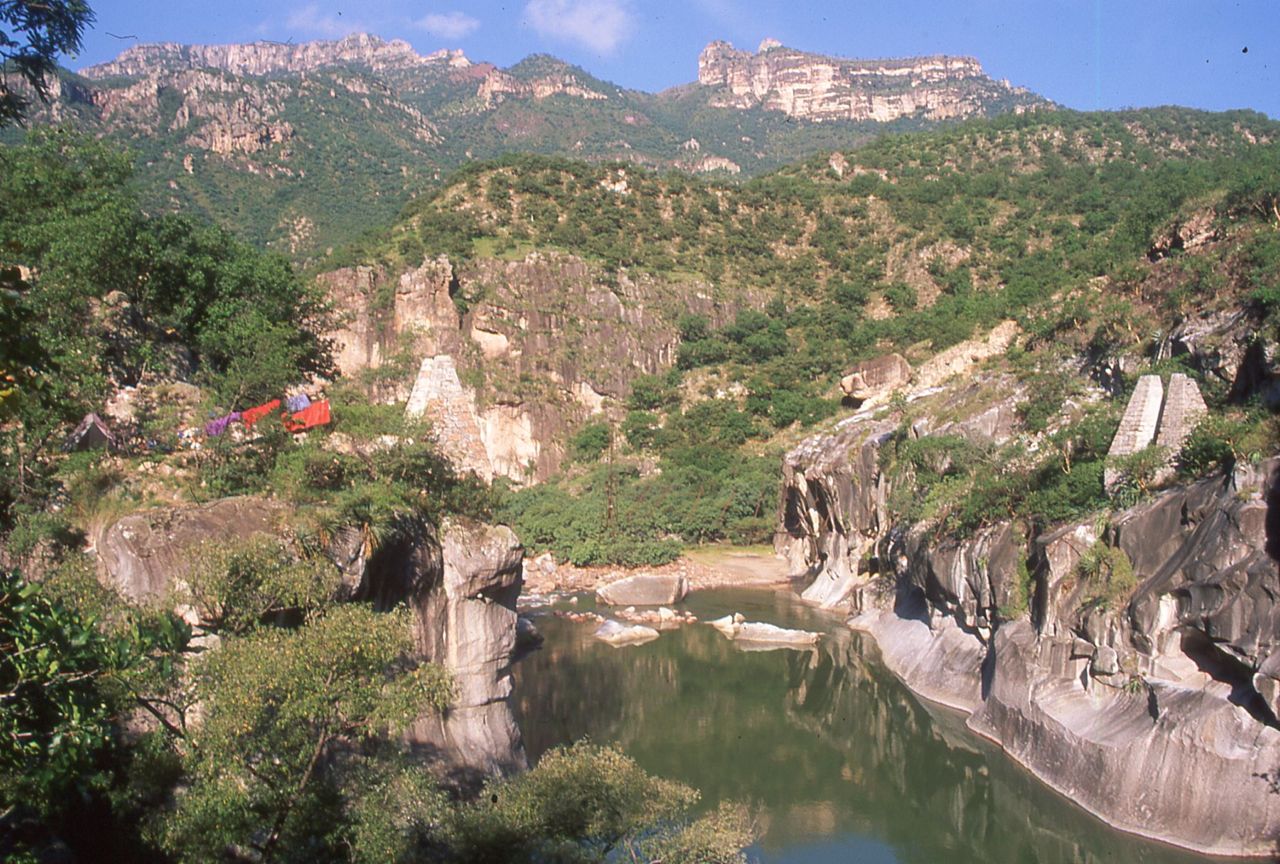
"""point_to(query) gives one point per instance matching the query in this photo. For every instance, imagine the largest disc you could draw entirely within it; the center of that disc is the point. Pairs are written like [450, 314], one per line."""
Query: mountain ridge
[264, 136]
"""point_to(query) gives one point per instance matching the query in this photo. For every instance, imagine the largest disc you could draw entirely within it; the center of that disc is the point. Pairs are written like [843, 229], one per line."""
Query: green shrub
[590, 442]
[1108, 574]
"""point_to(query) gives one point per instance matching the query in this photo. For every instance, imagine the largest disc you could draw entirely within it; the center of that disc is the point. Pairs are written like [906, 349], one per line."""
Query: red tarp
[309, 418]
[253, 415]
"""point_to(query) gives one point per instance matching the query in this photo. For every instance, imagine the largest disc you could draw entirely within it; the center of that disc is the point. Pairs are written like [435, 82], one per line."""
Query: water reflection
[843, 762]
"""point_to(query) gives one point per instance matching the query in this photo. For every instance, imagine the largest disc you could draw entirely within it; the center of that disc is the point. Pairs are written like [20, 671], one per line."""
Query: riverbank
[1156, 762]
[704, 567]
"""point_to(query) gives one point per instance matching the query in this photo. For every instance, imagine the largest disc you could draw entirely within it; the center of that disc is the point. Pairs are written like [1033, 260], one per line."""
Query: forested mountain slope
[264, 137]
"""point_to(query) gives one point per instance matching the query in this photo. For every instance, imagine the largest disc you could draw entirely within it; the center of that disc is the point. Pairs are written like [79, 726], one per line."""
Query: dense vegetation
[913, 243]
[375, 139]
[263, 727]
[98, 296]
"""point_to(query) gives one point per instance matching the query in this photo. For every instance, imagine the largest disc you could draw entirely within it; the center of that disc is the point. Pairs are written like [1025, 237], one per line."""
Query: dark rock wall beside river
[1156, 712]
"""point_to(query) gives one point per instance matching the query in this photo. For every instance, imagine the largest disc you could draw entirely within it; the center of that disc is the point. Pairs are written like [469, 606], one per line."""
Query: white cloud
[601, 25]
[448, 25]
[309, 20]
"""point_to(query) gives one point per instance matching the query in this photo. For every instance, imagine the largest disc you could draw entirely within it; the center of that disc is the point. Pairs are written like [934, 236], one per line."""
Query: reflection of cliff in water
[835, 750]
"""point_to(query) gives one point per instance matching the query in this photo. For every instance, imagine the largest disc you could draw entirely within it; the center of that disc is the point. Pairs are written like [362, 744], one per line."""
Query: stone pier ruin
[1153, 416]
[438, 395]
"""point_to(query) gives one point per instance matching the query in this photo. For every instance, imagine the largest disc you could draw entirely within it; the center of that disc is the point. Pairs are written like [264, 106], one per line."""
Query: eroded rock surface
[466, 620]
[1155, 710]
[145, 555]
[815, 87]
[644, 589]
[546, 343]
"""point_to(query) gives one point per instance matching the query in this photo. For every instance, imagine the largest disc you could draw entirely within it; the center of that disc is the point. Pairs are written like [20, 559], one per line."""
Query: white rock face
[757, 636]
[827, 88]
[439, 396]
[644, 589]
[618, 634]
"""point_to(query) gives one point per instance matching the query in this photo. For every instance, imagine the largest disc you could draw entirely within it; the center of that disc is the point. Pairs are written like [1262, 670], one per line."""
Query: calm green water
[843, 762]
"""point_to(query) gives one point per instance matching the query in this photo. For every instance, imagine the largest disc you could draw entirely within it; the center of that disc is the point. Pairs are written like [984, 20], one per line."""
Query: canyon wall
[1155, 711]
[814, 87]
[512, 354]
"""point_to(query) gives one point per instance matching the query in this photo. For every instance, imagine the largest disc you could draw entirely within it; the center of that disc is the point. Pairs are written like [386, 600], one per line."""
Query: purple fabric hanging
[214, 428]
[298, 403]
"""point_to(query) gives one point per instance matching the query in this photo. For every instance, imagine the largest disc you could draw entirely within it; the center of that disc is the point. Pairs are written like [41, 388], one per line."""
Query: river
[841, 761]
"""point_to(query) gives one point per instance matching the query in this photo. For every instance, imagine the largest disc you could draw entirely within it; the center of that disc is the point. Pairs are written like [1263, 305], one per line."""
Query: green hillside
[1066, 223]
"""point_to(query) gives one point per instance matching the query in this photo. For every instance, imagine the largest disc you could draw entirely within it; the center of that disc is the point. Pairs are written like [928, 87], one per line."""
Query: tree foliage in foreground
[32, 35]
[290, 712]
[95, 294]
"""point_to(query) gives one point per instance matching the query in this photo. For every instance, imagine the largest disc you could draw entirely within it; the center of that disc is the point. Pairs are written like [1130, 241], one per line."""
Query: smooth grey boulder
[143, 555]
[754, 635]
[644, 589]
[618, 634]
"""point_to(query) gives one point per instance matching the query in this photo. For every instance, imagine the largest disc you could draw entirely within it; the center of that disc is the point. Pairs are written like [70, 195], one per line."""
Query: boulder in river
[757, 636]
[618, 634]
[644, 589]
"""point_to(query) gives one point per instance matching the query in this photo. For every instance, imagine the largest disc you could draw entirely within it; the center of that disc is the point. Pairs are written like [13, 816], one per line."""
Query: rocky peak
[816, 87]
[265, 58]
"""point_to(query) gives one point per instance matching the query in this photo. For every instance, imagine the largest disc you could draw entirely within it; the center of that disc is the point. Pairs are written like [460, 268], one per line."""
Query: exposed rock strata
[265, 58]
[1158, 715]
[543, 344]
[814, 87]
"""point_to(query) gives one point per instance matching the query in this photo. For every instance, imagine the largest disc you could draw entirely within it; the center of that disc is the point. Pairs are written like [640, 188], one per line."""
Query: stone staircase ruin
[1154, 416]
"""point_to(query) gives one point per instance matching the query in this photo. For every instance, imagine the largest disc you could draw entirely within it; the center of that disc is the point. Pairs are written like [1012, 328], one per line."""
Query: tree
[66, 680]
[34, 33]
[289, 712]
[587, 803]
[53, 715]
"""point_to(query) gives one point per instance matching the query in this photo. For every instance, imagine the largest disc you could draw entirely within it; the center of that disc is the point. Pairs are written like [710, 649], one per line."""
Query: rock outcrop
[1155, 709]
[145, 555]
[462, 588]
[265, 58]
[758, 636]
[544, 344]
[498, 85]
[644, 589]
[814, 87]
[467, 621]
[439, 396]
[618, 634]
[877, 377]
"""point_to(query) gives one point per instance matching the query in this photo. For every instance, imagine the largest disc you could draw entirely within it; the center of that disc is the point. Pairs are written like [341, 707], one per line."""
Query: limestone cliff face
[1157, 714]
[265, 58]
[543, 344]
[814, 87]
[498, 85]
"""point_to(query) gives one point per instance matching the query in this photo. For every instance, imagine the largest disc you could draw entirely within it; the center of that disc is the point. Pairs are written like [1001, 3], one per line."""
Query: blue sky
[1085, 54]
